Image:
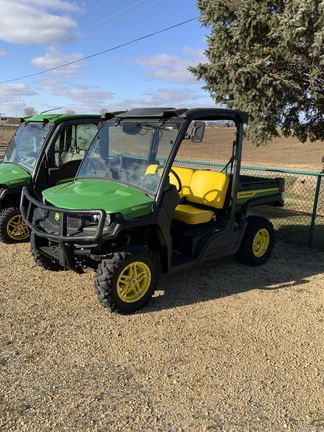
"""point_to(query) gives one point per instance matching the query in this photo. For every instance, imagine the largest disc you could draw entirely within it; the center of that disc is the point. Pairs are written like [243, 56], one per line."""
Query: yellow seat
[207, 192]
[185, 175]
[152, 169]
[192, 215]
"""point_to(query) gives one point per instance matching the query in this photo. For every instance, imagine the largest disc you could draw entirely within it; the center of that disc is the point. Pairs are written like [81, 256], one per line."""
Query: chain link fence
[301, 220]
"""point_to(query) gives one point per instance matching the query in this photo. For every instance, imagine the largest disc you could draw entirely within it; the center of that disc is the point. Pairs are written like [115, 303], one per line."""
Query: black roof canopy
[191, 114]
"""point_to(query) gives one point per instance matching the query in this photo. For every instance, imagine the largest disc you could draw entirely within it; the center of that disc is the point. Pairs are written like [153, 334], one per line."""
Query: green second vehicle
[149, 197]
[45, 150]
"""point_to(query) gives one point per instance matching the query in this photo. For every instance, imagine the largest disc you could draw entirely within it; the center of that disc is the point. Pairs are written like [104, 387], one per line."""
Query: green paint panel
[245, 196]
[87, 194]
[12, 175]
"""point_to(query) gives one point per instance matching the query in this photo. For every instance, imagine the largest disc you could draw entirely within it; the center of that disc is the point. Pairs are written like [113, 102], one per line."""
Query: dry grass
[281, 152]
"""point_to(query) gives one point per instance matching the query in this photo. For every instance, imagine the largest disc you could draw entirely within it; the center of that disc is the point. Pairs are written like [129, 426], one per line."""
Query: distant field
[6, 133]
[281, 152]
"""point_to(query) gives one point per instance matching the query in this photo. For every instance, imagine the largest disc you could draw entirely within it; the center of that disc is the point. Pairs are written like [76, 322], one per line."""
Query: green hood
[100, 194]
[12, 175]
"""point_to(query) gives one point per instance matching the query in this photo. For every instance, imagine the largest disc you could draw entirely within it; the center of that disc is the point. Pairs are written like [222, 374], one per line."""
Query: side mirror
[197, 131]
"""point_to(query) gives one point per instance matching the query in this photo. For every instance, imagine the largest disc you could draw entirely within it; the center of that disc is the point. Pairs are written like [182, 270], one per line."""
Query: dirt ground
[221, 347]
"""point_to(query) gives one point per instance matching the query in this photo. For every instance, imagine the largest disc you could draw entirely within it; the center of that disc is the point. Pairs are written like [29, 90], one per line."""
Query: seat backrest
[152, 169]
[185, 175]
[208, 188]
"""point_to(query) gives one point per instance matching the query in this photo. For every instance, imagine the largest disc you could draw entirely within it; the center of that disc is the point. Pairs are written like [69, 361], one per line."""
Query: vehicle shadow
[288, 266]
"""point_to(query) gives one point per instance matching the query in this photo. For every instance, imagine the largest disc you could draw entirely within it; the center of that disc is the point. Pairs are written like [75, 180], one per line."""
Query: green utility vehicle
[44, 151]
[149, 198]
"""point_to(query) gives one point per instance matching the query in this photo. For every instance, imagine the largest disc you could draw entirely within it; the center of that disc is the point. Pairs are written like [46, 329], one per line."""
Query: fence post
[312, 227]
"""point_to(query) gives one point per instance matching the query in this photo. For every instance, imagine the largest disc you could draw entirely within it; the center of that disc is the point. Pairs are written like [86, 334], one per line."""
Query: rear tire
[257, 243]
[126, 281]
[41, 260]
[12, 227]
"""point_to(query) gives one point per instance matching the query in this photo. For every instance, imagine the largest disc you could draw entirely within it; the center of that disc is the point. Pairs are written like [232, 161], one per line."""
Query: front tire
[257, 243]
[12, 227]
[126, 281]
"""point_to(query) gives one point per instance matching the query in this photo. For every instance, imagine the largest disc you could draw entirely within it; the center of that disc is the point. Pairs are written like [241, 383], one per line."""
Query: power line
[28, 37]
[102, 52]
[95, 25]
[48, 28]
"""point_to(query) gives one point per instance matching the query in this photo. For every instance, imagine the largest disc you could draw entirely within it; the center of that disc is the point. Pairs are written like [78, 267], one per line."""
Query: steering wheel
[178, 180]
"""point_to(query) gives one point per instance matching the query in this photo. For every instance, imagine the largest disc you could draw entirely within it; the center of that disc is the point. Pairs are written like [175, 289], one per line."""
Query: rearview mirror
[131, 128]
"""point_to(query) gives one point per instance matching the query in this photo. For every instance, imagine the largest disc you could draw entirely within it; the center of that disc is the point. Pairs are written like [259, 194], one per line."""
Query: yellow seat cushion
[206, 188]
[192, 215]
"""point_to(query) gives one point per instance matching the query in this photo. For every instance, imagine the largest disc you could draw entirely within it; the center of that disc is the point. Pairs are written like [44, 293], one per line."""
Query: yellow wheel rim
[261, 243]
[17, 229]
[134, 282]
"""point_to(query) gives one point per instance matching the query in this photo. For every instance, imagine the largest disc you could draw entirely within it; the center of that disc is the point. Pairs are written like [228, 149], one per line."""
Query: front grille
[51, 218]
[75, 221]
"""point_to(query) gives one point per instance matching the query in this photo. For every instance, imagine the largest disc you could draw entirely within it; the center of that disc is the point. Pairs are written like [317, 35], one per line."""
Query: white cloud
[172, 68]
[170, 97]
[12, 90]
[3, 53]
[81, 98]
[11, 98]
[54, 58]
[89, 96]
[34, 22]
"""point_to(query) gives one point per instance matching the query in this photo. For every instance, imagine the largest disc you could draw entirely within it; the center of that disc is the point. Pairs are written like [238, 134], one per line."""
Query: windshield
[24, 146]
[131, 152]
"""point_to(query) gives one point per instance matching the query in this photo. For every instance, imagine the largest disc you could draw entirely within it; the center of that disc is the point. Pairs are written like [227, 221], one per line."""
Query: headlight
[109, 219]
[96, 218]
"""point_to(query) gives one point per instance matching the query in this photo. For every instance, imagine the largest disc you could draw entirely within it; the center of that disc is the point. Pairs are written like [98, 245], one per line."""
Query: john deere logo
[57, 216]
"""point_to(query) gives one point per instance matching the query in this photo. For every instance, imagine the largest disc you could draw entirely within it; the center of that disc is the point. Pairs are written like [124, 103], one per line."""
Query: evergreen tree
[267, 58]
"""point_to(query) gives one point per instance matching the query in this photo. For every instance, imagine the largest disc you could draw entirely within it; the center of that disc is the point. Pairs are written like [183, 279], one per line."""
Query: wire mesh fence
[301, 220]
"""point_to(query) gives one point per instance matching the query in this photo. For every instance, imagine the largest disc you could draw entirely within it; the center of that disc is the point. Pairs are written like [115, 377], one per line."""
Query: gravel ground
[222, 347]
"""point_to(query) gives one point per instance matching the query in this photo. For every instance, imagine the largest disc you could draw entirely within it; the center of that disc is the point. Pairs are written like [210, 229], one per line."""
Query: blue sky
[38, 35]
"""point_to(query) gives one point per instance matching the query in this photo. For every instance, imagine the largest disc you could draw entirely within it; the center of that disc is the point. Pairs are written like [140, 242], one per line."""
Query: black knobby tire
[126, 281]
[42, 260]
[12, 226]
[258, 241]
